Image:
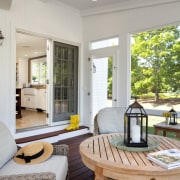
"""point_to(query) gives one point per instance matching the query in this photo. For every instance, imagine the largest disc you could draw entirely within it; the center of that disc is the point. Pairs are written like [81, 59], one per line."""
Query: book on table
[168, 159]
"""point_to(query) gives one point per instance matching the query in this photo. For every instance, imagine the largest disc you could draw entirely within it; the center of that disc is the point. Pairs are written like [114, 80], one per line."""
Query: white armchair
[109, 120]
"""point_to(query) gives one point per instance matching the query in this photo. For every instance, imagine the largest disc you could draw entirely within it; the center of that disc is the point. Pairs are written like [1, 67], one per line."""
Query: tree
[110, 77]
[155, 60]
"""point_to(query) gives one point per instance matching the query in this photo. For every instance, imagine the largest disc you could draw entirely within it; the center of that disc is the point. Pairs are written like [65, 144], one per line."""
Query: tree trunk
[156, 96]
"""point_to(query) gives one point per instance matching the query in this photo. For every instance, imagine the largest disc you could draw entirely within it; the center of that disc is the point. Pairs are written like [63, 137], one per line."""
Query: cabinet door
[32, 101]
[41, 99]
[29, 101]
[28, 98]
[65, 81]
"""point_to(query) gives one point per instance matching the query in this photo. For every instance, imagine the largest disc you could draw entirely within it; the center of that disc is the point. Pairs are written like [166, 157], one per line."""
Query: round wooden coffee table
[105, 160]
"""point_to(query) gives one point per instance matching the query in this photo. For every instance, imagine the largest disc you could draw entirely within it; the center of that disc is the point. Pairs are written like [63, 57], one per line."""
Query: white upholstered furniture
[109, 120]
[56, 167]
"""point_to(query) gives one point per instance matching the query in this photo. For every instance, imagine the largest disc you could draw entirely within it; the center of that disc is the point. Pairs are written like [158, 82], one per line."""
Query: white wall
[122, 24]
[52, 21]
[65, 24]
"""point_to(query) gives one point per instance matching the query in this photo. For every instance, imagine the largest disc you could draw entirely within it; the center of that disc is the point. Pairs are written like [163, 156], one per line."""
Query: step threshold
[47, 135]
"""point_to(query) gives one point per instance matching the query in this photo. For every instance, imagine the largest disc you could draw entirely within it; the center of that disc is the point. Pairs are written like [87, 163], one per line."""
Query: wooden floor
[30, 119]
[77, 170]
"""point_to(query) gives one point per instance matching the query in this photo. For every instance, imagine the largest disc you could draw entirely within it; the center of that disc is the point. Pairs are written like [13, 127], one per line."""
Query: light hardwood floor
[30, 119]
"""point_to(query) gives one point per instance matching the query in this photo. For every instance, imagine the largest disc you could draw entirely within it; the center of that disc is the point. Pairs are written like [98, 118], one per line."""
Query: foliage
[156, 61]
[110, 77]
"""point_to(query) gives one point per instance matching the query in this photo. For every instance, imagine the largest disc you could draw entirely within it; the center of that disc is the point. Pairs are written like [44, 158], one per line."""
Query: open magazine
[168, 159]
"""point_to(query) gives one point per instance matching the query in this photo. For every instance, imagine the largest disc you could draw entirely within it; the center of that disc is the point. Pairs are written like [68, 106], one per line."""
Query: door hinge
[47, 81]
[115, 67]
[89, 59]
[47, 115]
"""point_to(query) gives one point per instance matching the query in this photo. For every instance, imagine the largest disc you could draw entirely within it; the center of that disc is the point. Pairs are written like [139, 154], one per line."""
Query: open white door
[103, 80]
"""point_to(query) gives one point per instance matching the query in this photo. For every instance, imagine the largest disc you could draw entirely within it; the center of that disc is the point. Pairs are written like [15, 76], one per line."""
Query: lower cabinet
[41, 99]
[28, 101]
[35, 99]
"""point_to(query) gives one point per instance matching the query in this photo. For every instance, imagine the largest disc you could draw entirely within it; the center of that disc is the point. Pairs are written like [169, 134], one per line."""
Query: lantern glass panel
[135, 126]
[125, 127]
[144, 127]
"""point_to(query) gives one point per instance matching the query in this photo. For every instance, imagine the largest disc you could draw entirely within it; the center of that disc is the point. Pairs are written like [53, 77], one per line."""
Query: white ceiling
[89, 4]
[90, 7]
[28, 46]
[5, 4]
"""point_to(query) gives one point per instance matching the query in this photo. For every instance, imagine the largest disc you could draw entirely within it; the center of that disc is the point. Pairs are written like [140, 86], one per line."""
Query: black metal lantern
[173, 117]
[135, 126]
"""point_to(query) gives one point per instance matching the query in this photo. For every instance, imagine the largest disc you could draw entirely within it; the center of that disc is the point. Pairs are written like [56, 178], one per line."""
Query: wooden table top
[167, 126]
[97, 152]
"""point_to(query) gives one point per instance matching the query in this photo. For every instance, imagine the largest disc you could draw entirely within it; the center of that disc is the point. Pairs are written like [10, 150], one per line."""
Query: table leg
[178, 135]
[164, 133]
[155, 131]
[99, 174]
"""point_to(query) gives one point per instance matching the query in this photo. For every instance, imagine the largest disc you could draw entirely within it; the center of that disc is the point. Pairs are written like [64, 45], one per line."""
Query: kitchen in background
[31, 72]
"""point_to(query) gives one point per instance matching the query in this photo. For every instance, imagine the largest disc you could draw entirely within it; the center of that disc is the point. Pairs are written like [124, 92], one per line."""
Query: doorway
[31, 87]
[101, 84]
[103, 80]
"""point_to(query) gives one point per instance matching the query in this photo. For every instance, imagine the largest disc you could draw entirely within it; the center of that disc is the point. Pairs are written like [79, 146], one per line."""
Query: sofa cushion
[56, 164]
[7, 144]
[111, 120]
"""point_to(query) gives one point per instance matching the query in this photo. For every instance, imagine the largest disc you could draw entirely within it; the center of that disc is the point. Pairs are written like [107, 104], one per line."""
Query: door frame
[29, 33]
[97, 54]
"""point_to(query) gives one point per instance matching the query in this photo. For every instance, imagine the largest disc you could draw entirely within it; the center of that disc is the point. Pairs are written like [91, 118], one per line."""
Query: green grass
[169, 134]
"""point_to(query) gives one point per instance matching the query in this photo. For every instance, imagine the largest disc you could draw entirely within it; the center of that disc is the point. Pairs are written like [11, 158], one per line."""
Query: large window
[38, 71]
[104, 43]
[155, 68]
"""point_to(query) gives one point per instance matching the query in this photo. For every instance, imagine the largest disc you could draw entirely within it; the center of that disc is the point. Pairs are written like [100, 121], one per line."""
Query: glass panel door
[65, 81]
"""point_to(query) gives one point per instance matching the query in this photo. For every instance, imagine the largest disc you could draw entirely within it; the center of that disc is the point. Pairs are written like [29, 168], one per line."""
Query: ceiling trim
[125, 6]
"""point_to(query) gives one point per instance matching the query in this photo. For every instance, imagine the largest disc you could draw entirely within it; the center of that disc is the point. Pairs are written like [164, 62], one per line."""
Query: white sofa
[55, 168]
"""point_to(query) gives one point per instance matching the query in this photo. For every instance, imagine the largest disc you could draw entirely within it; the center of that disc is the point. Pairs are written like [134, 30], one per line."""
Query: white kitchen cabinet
[29, 101]
[33, 98]
[41, 99]
[28, 98]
